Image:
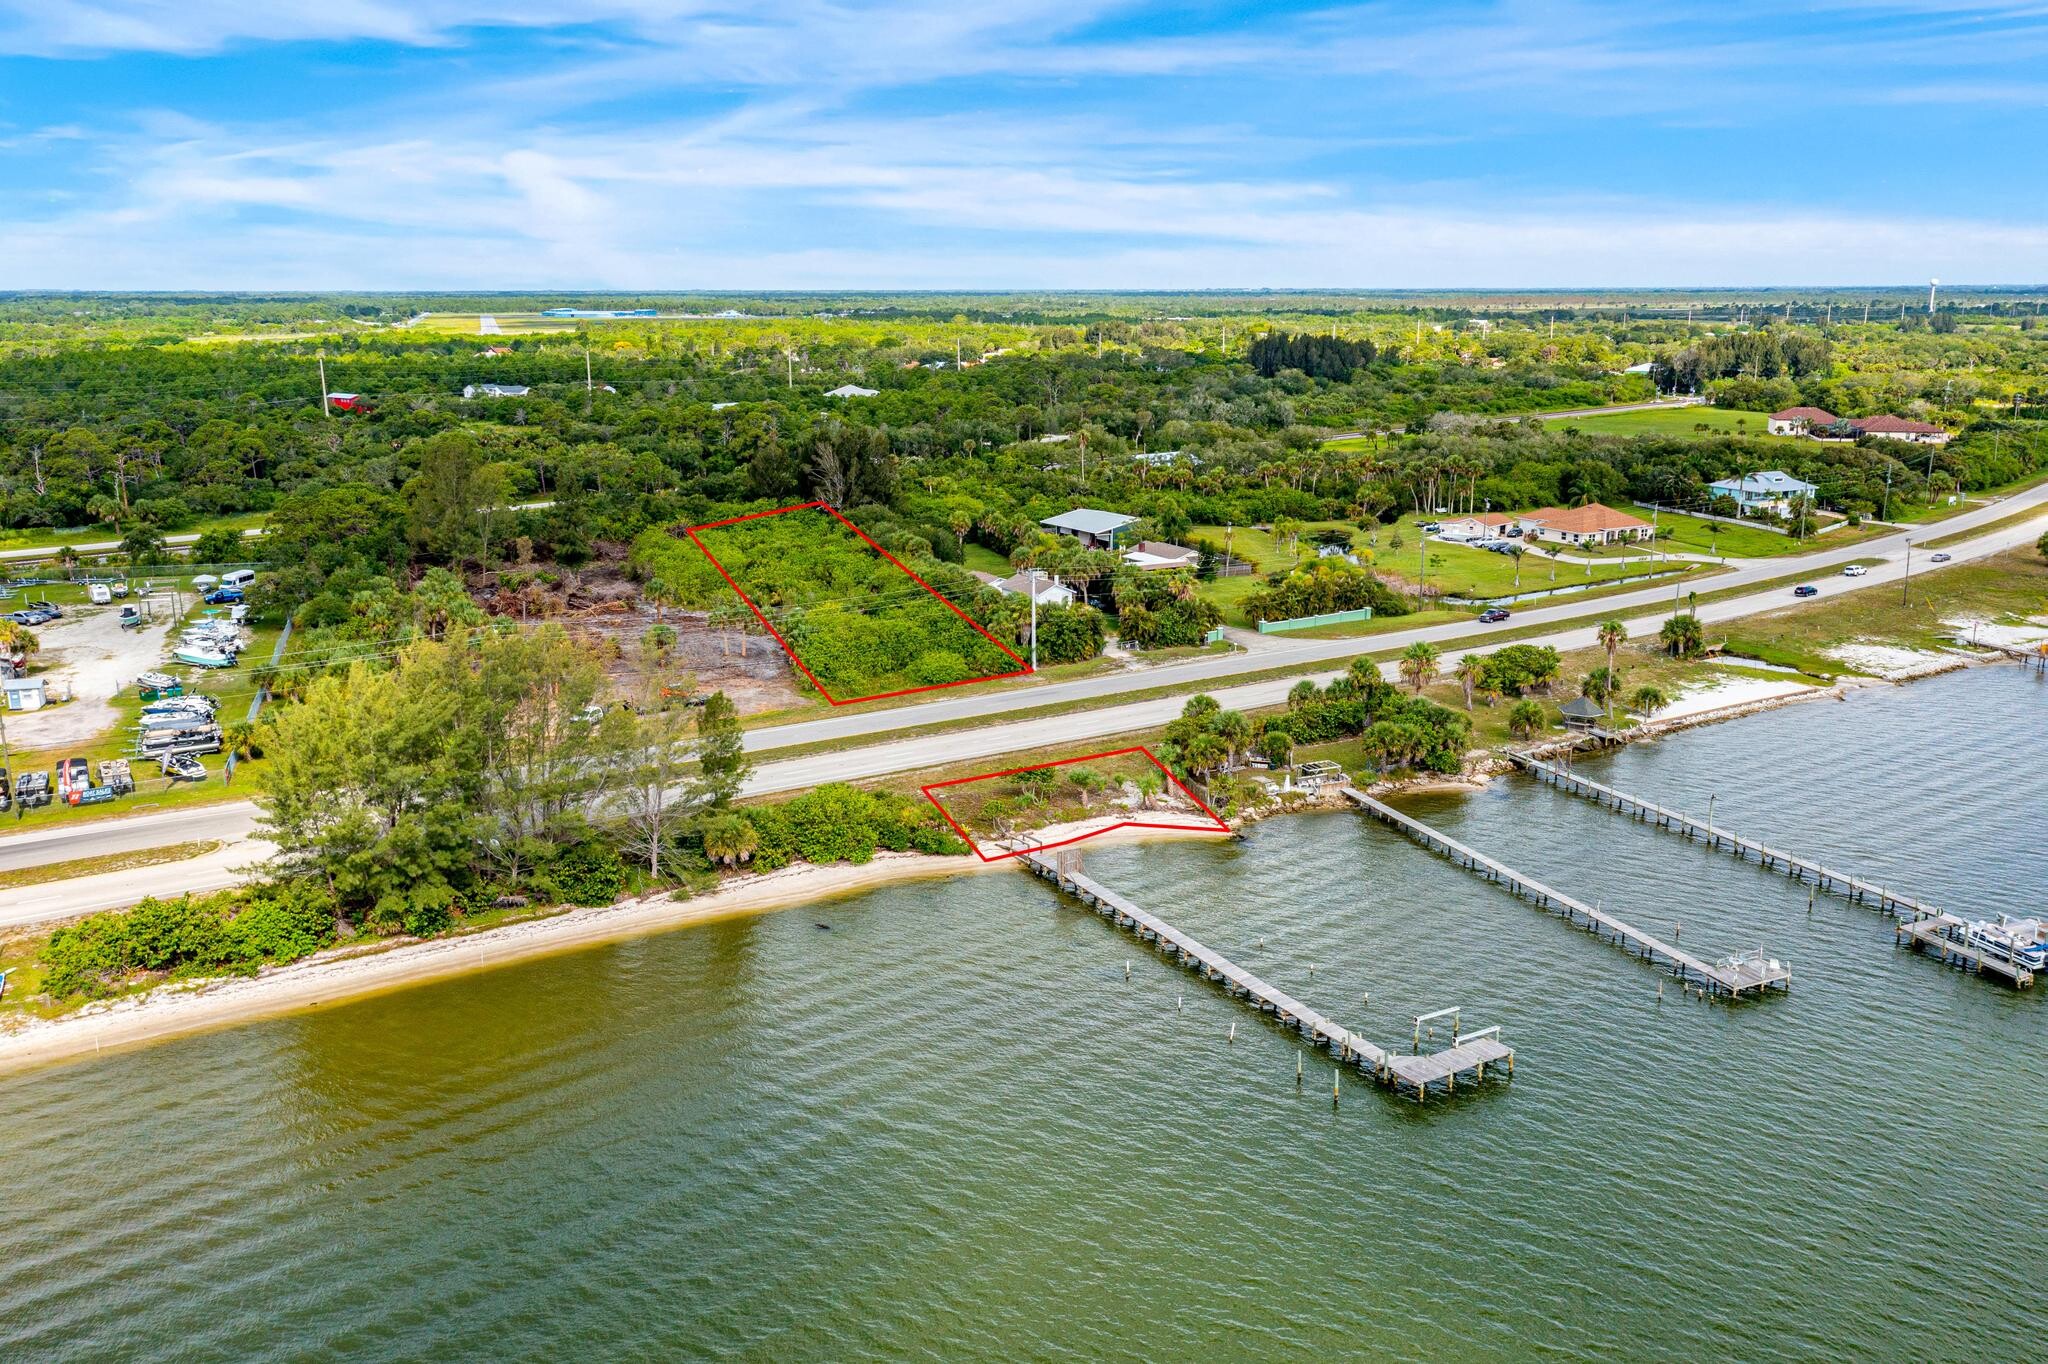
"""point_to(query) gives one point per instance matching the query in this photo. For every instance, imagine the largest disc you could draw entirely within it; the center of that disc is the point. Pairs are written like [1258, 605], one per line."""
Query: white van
[100, 593]
[239, 578]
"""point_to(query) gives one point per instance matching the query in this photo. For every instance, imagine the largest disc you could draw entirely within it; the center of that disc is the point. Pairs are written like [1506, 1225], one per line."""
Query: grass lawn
[1941, 511]
[1460, 570]
[982, 559]
[1672, 421]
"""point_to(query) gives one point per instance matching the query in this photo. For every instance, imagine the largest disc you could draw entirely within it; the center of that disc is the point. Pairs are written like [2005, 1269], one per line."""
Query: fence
[262, 693]
[1273, 627]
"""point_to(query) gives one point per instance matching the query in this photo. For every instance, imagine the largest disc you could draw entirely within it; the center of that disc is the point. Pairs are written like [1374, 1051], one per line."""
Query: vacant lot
[1006, 812]
[1672, 421]
[859, 624]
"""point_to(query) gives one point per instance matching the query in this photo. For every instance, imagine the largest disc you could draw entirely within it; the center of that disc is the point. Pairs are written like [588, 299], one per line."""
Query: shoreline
[344, 975]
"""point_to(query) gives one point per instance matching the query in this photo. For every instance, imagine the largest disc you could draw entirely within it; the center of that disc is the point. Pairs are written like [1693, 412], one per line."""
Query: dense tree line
[1319, 357]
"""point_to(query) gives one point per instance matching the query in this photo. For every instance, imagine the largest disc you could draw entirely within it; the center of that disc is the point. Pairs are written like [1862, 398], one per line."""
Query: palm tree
[1418, 664]
[1472, 673]
[1683, 636]
[1278, 747]
[729, 839]
[15, 638]
[1205, 753]
[1525, 718]
[658, 641]
[1612, 633]
[1149, 785]
[1516, 554]
[1233, 729]
[1304, 692]
[1648, 699]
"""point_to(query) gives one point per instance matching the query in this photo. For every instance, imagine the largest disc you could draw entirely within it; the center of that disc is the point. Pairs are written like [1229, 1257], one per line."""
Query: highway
[1577, 627]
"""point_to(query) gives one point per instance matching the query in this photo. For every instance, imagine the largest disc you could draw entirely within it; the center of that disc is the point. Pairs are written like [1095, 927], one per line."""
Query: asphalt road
[1577, 627]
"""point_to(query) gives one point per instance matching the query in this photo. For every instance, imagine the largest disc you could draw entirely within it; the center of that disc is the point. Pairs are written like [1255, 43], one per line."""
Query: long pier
[1920, 925]
[1471, 1055]
[1732, 976]
[1851, 888]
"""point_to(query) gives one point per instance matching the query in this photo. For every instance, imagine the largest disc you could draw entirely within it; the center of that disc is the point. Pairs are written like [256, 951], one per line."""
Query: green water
[945, 1126]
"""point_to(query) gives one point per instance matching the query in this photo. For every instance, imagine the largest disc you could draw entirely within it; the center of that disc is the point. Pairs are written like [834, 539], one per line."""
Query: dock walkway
[1919, 924]
[1416, 1073]
[1851, 888]
[1732, 976]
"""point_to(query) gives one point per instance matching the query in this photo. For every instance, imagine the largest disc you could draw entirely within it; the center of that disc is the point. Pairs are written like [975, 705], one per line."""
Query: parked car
[1806, 590]
[1941, 558]
[1493, 615]
[223, 596]
[1854, 570]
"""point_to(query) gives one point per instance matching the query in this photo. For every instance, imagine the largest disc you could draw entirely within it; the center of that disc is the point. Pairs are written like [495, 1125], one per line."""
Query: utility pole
[1034, 619]
[589, 385]
[7, 757]
[1909, 573]
[1887, 494]
[325, 409]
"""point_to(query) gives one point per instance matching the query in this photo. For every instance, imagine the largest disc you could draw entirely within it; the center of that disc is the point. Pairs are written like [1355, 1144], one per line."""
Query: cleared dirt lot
[88, 656]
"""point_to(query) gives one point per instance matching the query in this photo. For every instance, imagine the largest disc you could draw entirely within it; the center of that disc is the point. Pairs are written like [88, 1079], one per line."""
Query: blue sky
[409, 144]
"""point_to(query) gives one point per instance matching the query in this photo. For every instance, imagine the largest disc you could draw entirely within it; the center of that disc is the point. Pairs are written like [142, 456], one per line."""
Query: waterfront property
[1469, 1054]
[1733, 976]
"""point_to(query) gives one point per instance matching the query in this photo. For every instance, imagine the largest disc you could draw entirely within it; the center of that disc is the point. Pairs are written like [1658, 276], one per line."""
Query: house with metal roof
[1773, 488]
[851, 391]
[1095, 529]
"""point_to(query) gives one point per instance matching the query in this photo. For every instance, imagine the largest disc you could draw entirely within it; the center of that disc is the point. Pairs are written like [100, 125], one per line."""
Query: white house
[1900, 428]
[495, 390]
[1152, 556]
[1049, 590]
[1478, 526]
[1797, 421]
[1773, 488]
[851, 391]
[1095, 529]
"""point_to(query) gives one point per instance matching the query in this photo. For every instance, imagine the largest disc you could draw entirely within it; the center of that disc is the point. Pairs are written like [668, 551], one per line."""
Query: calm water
[948, 1128]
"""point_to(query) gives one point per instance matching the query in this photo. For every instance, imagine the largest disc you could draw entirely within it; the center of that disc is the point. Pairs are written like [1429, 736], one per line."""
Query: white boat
[199, 656]
[2006, 941]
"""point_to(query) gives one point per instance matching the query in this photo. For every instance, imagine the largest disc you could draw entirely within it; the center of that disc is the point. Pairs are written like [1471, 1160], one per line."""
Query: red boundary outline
[1200, 804]
[827, 507]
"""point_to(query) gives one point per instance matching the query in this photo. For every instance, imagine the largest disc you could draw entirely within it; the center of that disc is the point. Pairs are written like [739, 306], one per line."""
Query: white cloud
[886, 205]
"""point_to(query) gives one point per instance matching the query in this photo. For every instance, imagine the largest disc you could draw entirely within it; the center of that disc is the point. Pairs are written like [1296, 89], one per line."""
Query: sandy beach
[348, 973]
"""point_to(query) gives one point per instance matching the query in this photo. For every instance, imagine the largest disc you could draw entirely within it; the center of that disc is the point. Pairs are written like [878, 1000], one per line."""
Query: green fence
[1273, 627]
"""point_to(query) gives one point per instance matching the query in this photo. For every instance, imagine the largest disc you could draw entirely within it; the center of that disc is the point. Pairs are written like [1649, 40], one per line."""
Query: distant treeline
[1319, 357]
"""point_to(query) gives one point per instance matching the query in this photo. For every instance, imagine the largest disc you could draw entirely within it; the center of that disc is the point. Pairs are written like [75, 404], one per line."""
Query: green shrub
[589, 873]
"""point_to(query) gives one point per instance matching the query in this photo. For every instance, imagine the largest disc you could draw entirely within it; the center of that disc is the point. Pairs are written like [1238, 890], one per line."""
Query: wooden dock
[1932, 936]
[1733, 976]
[1919, 924]
[1401, 1073]
[1851, 888]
